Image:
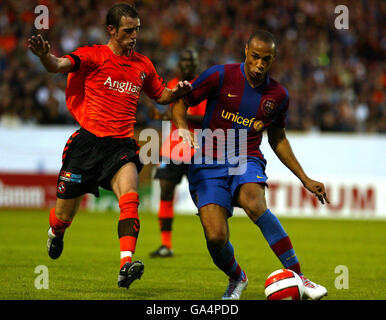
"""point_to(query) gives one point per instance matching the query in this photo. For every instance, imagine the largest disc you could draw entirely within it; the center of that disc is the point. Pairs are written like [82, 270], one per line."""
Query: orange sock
[57, 225]
[165, 218]
[128, 225]
[166, 238]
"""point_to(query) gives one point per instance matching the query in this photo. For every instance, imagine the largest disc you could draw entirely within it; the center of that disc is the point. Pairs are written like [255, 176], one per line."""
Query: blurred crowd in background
[336, 78]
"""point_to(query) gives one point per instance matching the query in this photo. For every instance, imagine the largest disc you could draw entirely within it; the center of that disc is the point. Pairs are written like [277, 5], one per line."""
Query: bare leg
[125, 180]
[214, 221]
[60, 219]
[65, 209]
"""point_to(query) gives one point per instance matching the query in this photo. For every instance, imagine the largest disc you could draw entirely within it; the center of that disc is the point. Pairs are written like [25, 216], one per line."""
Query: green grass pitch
[88, 267]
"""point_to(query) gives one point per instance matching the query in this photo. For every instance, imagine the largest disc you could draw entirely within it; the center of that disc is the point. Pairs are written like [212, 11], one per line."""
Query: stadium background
[336, 80]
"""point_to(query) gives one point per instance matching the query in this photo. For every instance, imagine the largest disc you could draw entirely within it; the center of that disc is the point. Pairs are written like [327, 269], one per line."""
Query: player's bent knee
[216, 238]
[254, 210]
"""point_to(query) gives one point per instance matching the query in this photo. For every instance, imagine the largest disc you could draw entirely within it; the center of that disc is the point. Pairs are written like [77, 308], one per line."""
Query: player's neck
[254, 83]
[118, 50]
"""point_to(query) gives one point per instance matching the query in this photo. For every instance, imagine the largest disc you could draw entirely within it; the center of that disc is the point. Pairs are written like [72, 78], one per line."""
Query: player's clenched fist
[39, 46]
[182, 88]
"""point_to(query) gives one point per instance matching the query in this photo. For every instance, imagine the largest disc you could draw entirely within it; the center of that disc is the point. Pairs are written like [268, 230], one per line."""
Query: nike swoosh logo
[124, 64]
[232, 95]
[294, 255]
[259, 177]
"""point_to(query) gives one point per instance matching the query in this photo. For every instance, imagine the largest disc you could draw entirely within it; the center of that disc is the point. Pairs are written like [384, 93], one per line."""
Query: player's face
[126, 35]
[259, 56]
[188, 65]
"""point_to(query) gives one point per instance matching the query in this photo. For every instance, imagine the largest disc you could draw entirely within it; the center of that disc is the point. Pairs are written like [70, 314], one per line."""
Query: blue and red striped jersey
[233, 104]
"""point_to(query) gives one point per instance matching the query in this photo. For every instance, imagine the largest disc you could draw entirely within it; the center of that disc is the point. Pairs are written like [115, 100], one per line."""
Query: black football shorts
[90, 162]
[171, 171]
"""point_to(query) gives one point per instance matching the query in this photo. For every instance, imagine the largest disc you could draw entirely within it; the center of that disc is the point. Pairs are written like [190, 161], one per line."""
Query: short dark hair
[119, 10]
[264, 36]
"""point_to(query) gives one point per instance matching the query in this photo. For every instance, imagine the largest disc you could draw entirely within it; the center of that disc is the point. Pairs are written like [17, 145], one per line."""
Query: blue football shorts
[212, 184]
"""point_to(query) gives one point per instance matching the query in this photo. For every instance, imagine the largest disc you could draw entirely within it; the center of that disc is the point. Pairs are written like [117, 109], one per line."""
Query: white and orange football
[284, 284]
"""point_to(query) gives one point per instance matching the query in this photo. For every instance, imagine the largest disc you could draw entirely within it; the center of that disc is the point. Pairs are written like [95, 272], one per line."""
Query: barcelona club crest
[269, 106]
[258, 125]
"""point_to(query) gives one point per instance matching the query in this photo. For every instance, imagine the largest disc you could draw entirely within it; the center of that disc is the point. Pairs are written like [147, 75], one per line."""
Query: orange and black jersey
[185, 153]
[103, 89]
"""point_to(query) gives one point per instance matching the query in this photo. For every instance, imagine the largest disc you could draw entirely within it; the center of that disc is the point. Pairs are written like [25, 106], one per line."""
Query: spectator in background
[342, 70]
[169, 173]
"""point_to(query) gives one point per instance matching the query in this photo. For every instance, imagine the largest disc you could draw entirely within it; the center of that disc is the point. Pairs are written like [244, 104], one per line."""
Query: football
[284, 284]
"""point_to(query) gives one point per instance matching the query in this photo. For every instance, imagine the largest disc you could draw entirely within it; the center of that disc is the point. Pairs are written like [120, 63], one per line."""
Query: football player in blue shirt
[242, 101]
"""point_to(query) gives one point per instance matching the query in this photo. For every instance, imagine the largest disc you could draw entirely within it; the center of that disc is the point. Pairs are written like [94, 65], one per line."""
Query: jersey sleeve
[282, 112]
[83, 58]
[207, 84]
[153, 85]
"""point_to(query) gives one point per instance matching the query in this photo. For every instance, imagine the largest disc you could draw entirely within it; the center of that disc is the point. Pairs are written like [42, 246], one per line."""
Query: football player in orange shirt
[103, 88]
[173, 166]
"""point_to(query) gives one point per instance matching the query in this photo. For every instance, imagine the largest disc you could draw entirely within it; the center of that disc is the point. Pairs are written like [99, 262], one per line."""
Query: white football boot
[312, 290]
[54, 244]
[235, 289]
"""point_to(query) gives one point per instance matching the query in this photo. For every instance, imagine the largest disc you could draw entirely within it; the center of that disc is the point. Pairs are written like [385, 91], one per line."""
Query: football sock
[165, 218]
[128, 225]
[224, 259]
[278, 240]
[57, 225]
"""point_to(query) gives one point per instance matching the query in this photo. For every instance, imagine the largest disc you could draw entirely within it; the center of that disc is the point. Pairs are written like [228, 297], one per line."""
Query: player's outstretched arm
[169, 96]
[41, 48]
[282, 148]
